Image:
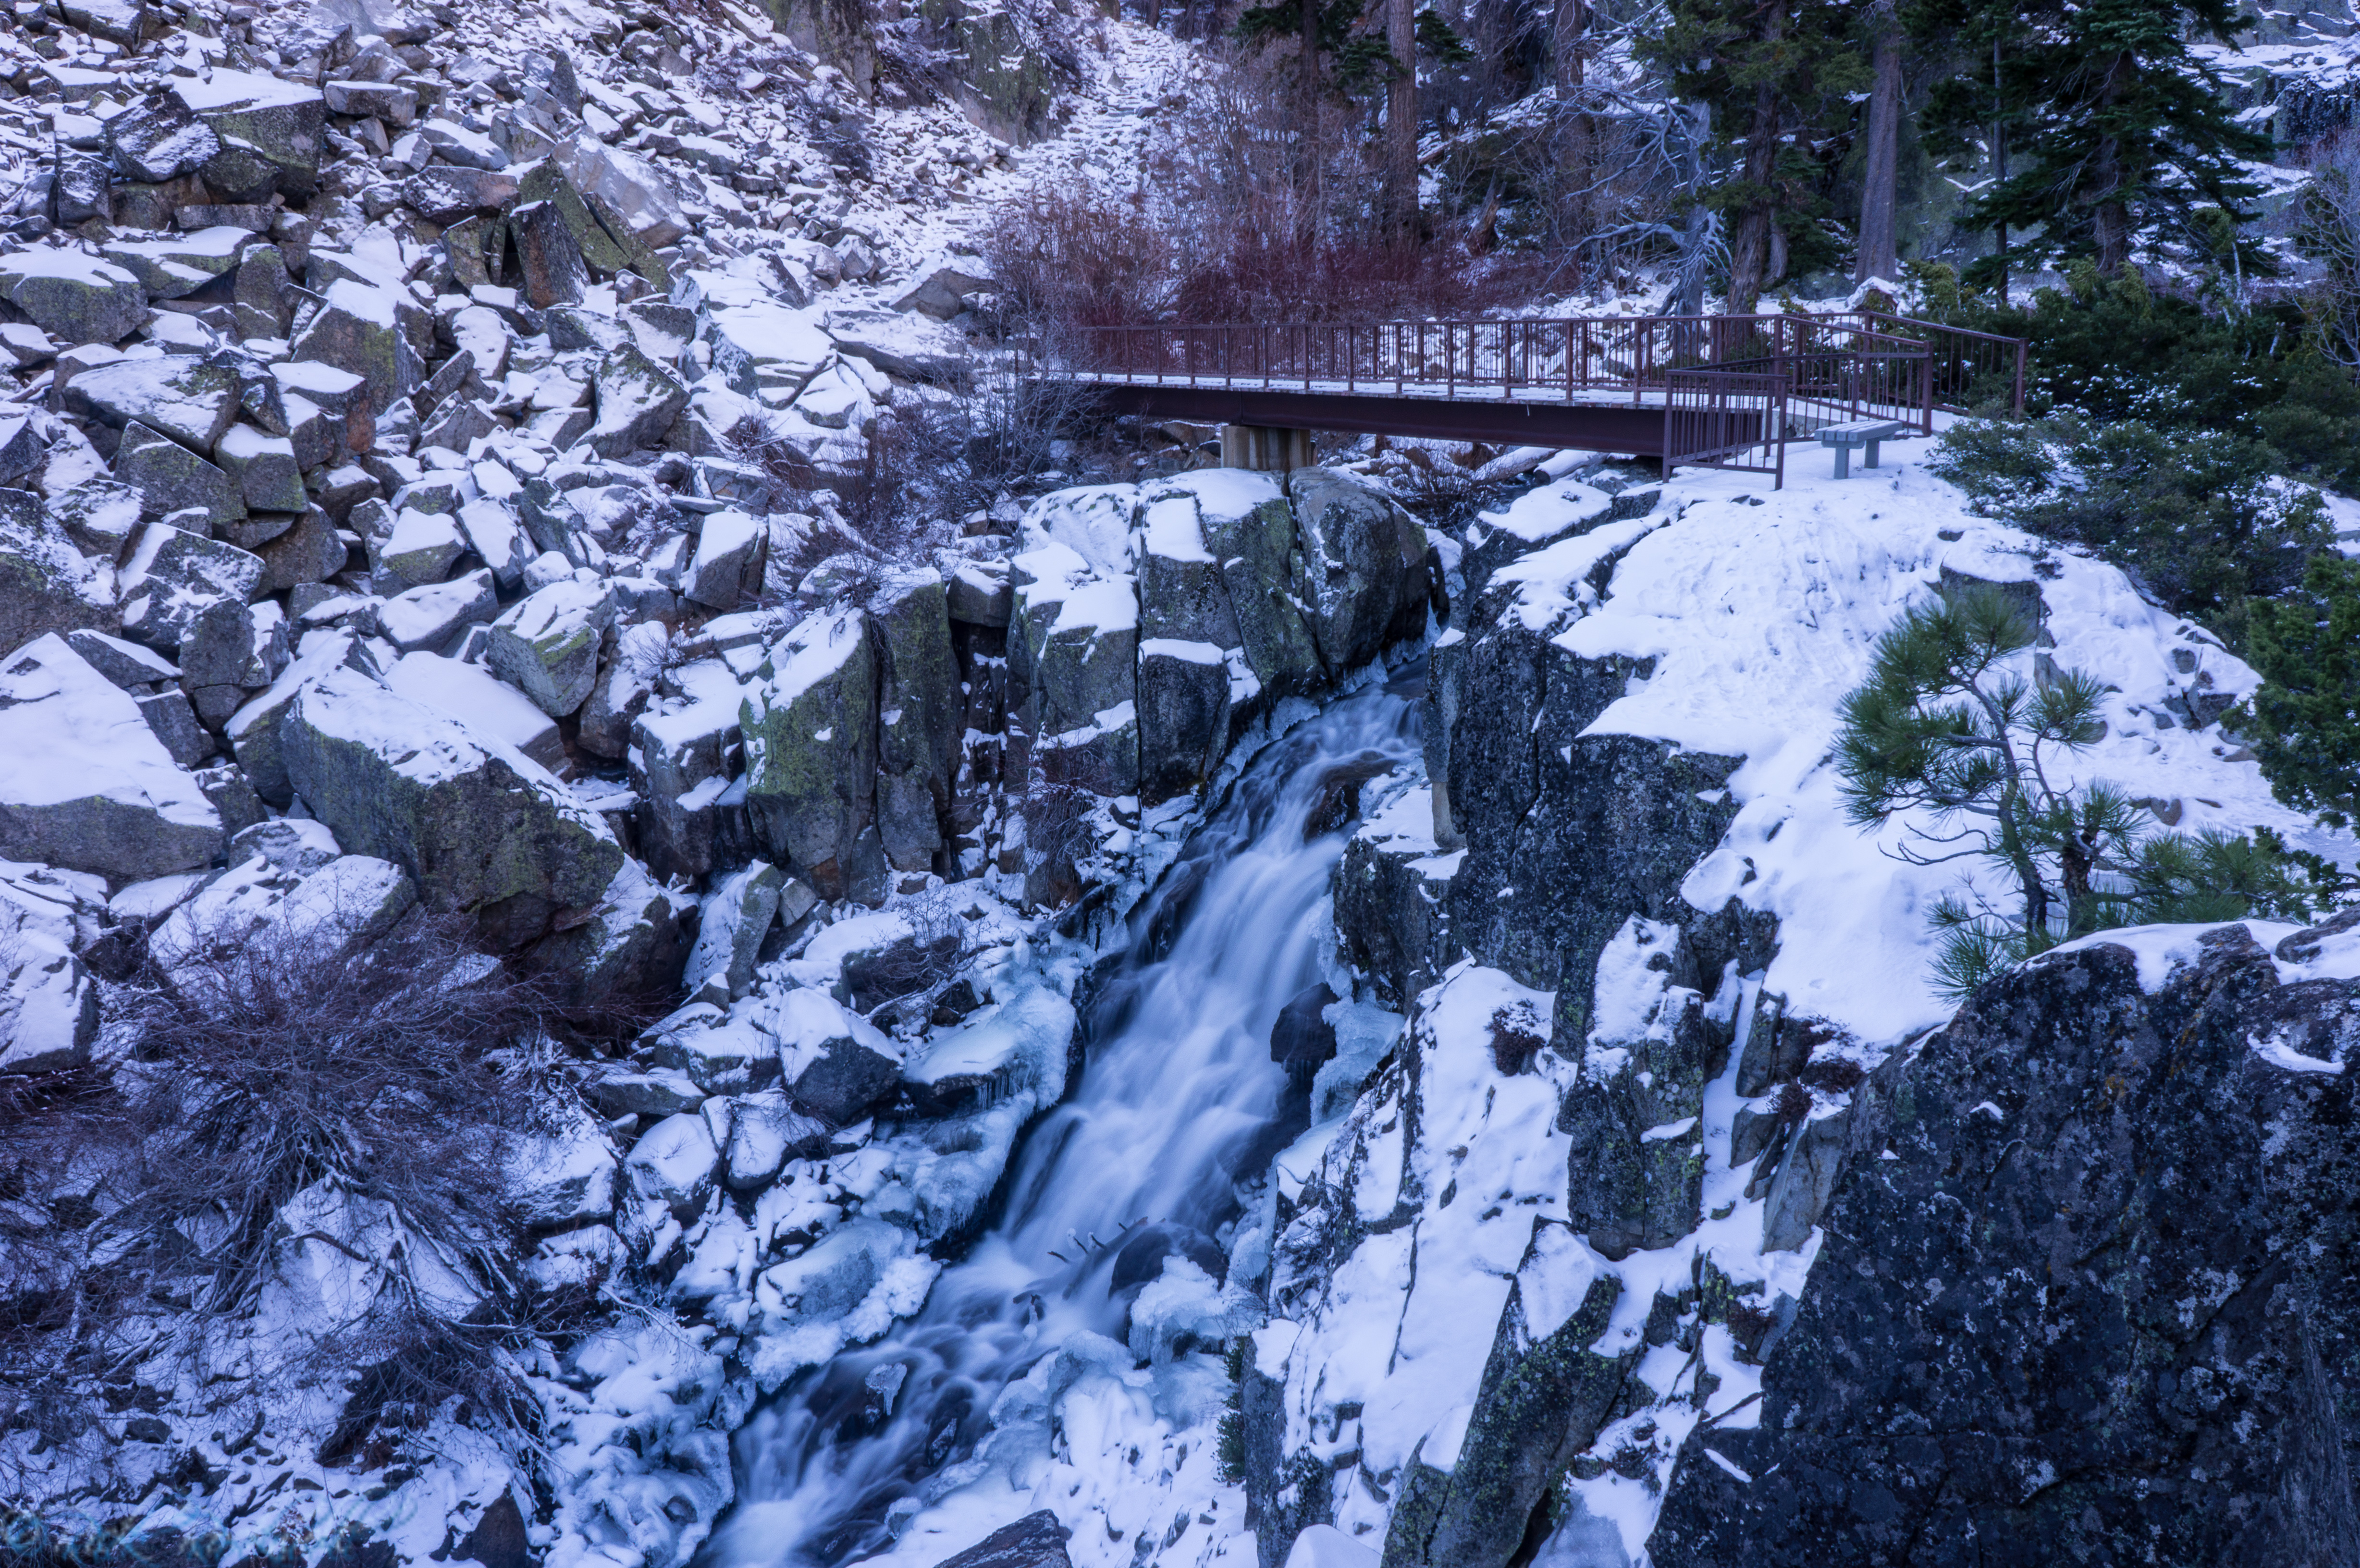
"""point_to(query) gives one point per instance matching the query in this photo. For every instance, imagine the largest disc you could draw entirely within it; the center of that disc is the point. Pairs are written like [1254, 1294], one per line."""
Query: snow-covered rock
[483, 828]
[547, 644]
[84, 783]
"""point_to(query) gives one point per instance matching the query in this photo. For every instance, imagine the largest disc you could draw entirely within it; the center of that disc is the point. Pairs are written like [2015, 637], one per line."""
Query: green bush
[2199, 517]
[2304, 724]
[2116, 352]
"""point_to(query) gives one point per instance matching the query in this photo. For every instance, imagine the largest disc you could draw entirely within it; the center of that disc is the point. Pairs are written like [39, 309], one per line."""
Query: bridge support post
[1266, 448]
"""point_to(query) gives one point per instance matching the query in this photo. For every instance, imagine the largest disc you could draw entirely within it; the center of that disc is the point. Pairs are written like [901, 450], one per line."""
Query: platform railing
[1743, 414]
[1523, 358]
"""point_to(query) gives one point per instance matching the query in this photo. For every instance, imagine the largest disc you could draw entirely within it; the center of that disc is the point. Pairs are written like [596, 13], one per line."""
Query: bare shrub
[1836, 1074]
[394, 1074]
[919, 965]
[1247, 215]
[1064, 788]
[1517, 1036]
[925, 463]
[1071, 254]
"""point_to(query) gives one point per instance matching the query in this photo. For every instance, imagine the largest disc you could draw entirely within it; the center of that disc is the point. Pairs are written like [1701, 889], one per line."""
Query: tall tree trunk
[1880, 255]
[1400, 119]
[1749, 229]
[1569, 41]
[2111, 215]
[1307, 220]
[1999, 168]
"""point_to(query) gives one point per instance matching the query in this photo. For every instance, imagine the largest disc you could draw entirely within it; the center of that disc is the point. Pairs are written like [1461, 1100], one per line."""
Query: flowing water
[1177, 1097]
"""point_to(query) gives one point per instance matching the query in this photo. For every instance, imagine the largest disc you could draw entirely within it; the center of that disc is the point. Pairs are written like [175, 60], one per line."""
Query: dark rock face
[1037, 1540]
[2097, 1307]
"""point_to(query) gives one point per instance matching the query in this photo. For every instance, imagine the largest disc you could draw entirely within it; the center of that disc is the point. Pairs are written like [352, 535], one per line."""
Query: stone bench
[1858, 432]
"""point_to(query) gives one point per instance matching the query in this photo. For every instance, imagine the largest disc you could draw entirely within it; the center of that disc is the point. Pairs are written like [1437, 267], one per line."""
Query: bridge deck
[1589, 421]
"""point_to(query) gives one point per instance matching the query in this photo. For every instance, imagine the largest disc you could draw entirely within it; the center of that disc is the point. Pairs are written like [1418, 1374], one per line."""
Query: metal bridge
[1720, 391]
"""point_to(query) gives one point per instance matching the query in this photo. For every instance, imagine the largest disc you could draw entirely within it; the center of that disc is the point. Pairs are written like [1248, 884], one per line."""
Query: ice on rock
[767, 1132]
[1184, 1308]
[84, 783]
[846, 1290]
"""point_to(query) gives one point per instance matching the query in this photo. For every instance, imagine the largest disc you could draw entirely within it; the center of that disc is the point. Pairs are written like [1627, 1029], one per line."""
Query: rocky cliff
[1664, 1008]
[2085, 1291]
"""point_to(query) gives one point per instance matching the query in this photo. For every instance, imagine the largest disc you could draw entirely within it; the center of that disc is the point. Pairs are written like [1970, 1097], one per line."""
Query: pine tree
[2304, 724]
[1775, 74]
[2103, 119]
[1947, 727]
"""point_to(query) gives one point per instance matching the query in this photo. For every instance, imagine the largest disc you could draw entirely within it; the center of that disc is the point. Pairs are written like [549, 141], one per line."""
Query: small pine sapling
[1950, 730]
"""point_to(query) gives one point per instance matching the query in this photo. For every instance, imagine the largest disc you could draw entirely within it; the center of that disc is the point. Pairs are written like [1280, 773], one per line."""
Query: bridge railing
[1969, 368]
[1742, 414]
[1523, 358]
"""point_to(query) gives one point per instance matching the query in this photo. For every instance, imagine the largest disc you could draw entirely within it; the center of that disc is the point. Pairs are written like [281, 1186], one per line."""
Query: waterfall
[1176, 1105]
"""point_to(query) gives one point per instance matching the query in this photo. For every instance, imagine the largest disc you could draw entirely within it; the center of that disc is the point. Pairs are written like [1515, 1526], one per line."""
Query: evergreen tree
[2099, 120]
[1776, 75]
[2304, 724]
[1948, 726]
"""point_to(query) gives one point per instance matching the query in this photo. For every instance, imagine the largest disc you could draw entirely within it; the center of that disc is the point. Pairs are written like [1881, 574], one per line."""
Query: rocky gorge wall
[1612, 1257]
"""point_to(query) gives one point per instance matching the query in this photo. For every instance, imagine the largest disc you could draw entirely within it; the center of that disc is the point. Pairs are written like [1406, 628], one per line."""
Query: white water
[1178, 1094]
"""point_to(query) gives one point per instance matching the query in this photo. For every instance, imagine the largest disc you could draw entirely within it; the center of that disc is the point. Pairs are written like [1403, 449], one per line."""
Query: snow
[67, 733]
[1174, 648]
[808, 655]
[222, 88]
[1090, 521]
[1103, 606]
[1170, 529]
[1548, 510]
[472, 694]
[1325, 1546]
[1225, 493]
[1403, 1326]
[1761, 609]
[72, 265]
